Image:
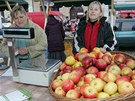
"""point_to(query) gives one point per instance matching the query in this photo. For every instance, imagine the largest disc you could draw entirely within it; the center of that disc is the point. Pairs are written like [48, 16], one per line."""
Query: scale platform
[38, 76]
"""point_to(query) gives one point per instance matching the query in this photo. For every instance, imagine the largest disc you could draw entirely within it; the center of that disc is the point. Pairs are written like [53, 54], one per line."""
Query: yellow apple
[84, 50]
[60, 91]
[96, 49]
[65, 76]
[70, 60]
[98, 84]
[77, 64]
[125, 87]
[103, 95]
[110, 88]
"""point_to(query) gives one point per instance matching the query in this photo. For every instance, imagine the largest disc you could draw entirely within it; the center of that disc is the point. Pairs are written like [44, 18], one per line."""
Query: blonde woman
[31, 52]
[95, 32]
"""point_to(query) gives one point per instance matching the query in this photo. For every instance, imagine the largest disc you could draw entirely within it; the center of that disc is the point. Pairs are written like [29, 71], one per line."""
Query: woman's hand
[23, 51]
[102, 50]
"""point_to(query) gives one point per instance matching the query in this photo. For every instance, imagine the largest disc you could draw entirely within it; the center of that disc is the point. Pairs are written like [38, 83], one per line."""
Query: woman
[31, 52]
[95, 32]
[55, 36]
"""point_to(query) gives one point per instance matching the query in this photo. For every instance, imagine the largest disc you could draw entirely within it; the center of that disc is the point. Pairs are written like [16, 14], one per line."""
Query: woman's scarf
[91, 34]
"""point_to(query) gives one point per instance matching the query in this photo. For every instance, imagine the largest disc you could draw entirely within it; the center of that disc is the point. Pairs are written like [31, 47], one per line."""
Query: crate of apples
[95, 75]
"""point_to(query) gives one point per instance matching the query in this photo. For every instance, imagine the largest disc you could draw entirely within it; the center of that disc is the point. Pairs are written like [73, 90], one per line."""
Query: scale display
[10, 32]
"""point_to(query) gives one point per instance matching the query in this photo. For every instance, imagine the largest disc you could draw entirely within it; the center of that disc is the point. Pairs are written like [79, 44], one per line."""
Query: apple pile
[98, 74]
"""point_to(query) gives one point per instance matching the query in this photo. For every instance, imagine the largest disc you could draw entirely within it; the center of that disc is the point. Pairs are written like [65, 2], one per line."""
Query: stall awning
[68, 3]
[12, 3]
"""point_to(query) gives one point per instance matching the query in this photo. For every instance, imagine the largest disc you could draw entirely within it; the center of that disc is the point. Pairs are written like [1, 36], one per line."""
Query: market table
[39, 93]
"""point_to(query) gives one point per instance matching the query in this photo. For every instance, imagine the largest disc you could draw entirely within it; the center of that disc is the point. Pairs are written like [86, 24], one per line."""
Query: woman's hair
[17, 9]
[95, 3]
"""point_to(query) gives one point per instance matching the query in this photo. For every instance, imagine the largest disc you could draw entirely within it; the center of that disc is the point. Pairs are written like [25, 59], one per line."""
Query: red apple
[76, 56]
[125, 88]
[123, 79]
[100, 55]
[113, 68]
[133, 76]
[109, 77]
[107, 58]
[101, 64]
[75, 76]
[72, 94]
[60, 91]
[119, 59]
[62, 66]
[133, 83]
[81, 70]
[122, 65]
[101, 74]
[98, 84]
[81, 55]
[92, 70]
[81, 82]
[93, 55]
[130, 63]
[67, 69]
[83, 87]
[87, 61]
[90, 92]
[88, 78]
[67, 85]
[56, 83]
[85, 50]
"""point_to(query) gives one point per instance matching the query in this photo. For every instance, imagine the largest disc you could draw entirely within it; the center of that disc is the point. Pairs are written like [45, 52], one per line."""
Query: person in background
[31, 52]
[84, 17]
[55, 36]
[96, 32]
[128, 16]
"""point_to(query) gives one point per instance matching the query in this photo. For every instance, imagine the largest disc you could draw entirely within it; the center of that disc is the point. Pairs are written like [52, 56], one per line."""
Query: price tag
[10, 43]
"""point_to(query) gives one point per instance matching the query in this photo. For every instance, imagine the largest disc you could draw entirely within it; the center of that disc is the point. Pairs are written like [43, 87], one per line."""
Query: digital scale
[36, 75]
